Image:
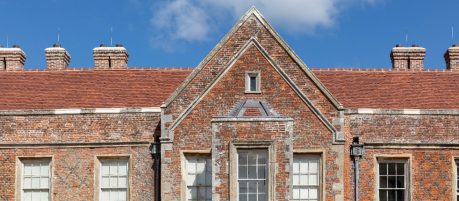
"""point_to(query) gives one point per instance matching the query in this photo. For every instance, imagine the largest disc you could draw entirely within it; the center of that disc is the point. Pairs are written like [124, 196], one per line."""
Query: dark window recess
[253, 83]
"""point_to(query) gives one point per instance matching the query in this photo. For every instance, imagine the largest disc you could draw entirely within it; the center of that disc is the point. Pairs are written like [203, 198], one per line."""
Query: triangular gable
[253, 11]
[250, 43]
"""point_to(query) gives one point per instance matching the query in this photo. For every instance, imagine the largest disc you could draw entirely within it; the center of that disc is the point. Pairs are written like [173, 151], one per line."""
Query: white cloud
[195, 20]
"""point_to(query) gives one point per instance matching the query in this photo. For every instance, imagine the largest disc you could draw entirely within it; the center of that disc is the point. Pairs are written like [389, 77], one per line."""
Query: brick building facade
[250, 122]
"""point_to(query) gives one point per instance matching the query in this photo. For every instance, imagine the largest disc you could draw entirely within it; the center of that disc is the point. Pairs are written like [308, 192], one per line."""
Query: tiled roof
[386, 89]
[87, 88]
[149, 87]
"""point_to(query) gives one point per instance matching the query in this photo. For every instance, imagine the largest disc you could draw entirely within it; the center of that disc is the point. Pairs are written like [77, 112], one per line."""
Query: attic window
[252, 82]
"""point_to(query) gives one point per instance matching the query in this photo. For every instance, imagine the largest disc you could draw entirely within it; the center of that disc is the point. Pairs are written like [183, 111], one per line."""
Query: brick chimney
[106, 58]
[404, 58]
[452, 57]
[12, 59]
[57, 58]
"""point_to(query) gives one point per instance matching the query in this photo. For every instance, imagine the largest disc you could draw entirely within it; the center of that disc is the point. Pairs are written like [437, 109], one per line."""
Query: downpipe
[357, 151]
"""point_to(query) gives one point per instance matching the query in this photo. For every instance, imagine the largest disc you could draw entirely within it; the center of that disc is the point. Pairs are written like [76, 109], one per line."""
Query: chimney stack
[57, 58]
[404, 58]
[452, 57]
[12, 59]
[106, 58]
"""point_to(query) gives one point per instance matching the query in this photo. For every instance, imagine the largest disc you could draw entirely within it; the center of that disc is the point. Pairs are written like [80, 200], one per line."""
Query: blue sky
[157, 33]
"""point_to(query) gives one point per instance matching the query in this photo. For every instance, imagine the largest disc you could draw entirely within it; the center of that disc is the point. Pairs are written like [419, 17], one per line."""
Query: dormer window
[252, 82]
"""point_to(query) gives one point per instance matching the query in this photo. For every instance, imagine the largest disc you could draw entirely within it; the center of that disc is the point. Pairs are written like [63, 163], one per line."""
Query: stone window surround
[247, 82]
[97, 175]
[20, 166]
[407, 159]
[313, 152]
[233, 158]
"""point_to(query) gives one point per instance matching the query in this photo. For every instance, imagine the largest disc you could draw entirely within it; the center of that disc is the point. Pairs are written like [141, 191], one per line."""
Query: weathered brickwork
[279, 136]
[194, 132]
[427, 142]
[74, 143]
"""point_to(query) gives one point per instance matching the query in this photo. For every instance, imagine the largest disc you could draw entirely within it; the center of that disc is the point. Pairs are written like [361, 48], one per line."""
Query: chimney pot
[408, 58]
[12, 59]
[452, 57]
[119, 45]
[57, 58]
[106, 58]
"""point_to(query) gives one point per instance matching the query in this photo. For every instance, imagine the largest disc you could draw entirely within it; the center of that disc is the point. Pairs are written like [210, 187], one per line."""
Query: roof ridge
[83, 69]
[382, 70]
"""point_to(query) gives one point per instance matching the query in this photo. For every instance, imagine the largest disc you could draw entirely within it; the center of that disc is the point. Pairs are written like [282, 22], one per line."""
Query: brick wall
[74, 142]
[194, 131]
[421, 140]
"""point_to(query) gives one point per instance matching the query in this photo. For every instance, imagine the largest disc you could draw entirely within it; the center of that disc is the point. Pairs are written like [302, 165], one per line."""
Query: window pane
[400, 169]
[391, 195]
[383, 169]
[296, 180]
[400, 195]
[35, 183]
[252, 174]
[36, 170]
[243, 172]
[400, 182]
[312, 193]
[391, 168]
[296, 193]
[313, 166]
[44, 170]
[243, 187]
[27, 183]
[383, 181]
[383, 195]
[391, 181]
[242, 197]
[312, 180]
[44, 183]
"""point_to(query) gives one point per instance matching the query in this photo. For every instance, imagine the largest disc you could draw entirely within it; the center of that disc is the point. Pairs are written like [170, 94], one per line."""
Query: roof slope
[392, 89]
[88, 88]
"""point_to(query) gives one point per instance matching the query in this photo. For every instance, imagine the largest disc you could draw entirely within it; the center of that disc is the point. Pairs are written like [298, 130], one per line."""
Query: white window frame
[100, 160]
[318, 173]
[266, 179]
[250, 74]
[406, 176]
[20, 176]
[269, 147]
[208, 165]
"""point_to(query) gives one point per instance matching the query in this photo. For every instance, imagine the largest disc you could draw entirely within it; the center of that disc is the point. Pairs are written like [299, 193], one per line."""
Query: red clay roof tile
[392, 89]
[88, 88]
